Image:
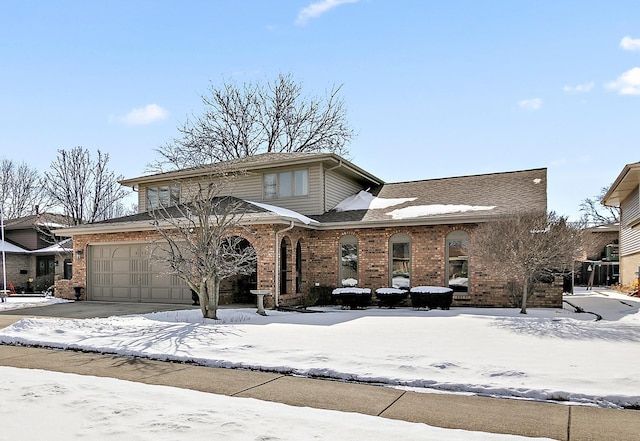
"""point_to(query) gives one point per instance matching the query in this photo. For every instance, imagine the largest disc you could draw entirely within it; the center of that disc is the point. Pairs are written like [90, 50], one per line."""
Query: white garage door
[127, 273]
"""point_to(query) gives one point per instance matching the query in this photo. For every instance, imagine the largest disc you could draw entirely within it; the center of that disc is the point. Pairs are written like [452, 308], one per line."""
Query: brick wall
[320, 257]
[428, 264]
[15, 263]
[629, 265]
[262, 240]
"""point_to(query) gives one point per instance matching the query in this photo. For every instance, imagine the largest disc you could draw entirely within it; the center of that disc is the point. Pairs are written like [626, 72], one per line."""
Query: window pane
[301, 183]
[163, 196]
[175, 194]
[349, 264]
[284, 185]
[400, 265]
[152, 198]
[458, 277]
[270, 186]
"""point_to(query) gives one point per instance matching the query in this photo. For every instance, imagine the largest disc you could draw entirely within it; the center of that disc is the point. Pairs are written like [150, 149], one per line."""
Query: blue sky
[433, 89]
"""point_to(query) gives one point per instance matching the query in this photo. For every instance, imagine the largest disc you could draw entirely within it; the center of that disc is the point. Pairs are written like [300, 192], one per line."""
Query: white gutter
[276, 294]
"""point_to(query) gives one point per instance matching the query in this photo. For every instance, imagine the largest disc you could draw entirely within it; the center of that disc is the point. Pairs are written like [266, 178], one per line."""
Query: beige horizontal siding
[630, 210]
[338, 188]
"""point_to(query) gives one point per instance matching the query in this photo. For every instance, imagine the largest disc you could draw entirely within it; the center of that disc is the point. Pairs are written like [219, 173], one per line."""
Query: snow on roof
[58, 248]
[435, 209]
[11, 248]
[365, 201]
[285, 212]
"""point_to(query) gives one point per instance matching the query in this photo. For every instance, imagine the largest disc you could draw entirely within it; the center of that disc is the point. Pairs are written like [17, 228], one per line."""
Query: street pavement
[495, 415]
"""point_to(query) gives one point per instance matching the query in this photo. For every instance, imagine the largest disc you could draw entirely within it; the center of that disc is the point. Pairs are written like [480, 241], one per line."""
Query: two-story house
[33, 258]
[625, 193]
[318, 220]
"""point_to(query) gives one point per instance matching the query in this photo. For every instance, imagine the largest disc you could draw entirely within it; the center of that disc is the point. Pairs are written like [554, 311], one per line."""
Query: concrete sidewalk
[534, 419]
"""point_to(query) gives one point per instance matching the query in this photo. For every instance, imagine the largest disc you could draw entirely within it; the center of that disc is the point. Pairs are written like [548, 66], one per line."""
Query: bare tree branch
[203, 244]
[524, 247]
[241, 121]
[20, 190]
[85, 189]
[594, 213]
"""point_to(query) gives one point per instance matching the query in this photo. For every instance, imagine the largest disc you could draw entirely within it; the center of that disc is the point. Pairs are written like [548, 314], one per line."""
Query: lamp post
[4, 267]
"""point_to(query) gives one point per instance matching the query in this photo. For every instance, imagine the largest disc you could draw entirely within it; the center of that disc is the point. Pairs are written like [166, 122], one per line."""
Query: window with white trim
[162, 196]
[286, 184]
[458, 261]
[400, 260]
[348, 261]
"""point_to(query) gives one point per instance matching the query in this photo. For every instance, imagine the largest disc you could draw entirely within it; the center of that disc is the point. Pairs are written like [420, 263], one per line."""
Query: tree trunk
[525, 294]
[213, 293]
[204, 299]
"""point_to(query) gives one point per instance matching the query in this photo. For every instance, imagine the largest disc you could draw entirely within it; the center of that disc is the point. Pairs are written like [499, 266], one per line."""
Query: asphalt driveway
[83, 310]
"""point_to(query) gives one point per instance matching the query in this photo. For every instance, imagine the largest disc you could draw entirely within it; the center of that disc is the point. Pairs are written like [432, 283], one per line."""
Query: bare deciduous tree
[20, 190]
[522, 248]
[242, 121]
[203, 244]
[84, 188]
[594, 213]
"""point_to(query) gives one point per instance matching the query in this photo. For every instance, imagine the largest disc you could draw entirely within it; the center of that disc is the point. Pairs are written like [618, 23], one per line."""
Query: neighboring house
[318, 220]
[33, 257]
[601, 256]
[625, 193]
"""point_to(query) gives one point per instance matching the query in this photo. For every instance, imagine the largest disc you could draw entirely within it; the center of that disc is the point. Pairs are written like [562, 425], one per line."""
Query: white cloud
[142, 115]
[315, 10]
[630, 44]
[628, 83]
[530, 104]
[580, 88]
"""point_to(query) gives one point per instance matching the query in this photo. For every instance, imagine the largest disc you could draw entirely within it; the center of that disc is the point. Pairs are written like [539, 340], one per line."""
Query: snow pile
[436, 209]
[366, 201]
[431, 289]
[285, 212]
[70, 407]
[19, 302]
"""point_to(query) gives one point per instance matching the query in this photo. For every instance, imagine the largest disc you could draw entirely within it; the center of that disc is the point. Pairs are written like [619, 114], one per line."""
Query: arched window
[298, 267]
[348, 271]
[400, 261]
[457, 261]
[283, 266]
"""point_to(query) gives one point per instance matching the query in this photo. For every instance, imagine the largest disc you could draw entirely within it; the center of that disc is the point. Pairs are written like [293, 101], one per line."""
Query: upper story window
[286, 184]
[163, 196]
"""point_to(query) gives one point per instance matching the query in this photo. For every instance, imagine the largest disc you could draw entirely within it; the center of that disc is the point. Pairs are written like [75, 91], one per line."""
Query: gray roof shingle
[508, 192]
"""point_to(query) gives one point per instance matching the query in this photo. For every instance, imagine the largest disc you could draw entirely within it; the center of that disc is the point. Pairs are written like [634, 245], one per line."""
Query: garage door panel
[128, 273]
[120, 266]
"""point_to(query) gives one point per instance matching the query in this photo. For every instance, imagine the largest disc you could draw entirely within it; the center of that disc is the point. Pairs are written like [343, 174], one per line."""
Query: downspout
[324, 185]
[276, 295]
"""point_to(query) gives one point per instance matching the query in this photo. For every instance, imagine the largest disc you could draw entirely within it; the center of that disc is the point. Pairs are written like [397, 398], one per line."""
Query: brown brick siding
[14, 263]
[320, 262]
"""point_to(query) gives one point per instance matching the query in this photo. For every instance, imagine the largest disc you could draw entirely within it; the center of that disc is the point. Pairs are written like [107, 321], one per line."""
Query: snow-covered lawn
[547, 354]
[40, 405]
[18, 302]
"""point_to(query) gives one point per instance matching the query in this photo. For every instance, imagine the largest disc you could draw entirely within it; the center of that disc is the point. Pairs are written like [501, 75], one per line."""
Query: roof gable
[626, 182]
[253, 163]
